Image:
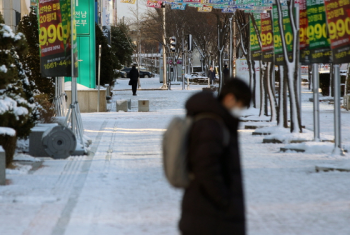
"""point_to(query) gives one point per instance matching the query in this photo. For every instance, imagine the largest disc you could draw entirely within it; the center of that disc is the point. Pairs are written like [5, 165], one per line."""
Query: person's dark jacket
[211, 75]
[134, 75]
[226, 73]
[213, 204]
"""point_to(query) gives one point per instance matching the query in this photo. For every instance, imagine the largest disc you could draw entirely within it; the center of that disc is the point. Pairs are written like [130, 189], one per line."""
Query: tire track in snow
[65, 216]
[66, 186]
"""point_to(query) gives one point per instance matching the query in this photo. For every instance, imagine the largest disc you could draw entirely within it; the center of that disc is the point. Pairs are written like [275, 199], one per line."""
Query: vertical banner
[54, 19]
[319, 43]
[338, 17]
[266, 37]
[303, 38]
[288, 35]
[255, 49]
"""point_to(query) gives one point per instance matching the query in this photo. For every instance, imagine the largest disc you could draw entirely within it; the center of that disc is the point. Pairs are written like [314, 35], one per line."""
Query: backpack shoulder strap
[226, 132]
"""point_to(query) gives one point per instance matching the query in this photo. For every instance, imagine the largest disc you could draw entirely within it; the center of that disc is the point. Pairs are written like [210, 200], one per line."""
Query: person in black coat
[211, 75]
[134, 77]
[226, 73]
[213, 204]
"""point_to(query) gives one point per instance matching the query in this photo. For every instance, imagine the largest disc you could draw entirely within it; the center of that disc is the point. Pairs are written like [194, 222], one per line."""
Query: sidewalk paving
[120, 188]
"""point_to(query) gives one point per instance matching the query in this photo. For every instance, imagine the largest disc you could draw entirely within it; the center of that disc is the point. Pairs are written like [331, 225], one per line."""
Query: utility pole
[231, 50]
[164, 53]
[183, 59]
[234, 47]
[138, 43]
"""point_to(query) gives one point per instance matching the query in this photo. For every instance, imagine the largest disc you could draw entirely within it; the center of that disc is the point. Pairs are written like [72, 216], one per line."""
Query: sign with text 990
[54, 19]
[338, 17]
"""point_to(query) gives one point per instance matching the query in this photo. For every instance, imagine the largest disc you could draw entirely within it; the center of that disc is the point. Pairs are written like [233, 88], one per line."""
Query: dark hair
[225, 65]
[239, 89]
[134, 67]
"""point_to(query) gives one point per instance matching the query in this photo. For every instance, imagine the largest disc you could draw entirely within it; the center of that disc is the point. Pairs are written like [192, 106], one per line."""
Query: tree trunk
[291, 67]
[270, 91]
[262, 90]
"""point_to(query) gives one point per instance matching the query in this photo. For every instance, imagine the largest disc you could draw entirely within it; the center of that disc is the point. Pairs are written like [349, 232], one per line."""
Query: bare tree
[291, 66]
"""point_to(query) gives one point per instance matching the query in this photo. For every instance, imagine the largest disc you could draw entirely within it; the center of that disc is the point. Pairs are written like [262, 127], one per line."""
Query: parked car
[145, 74]
[126, 70]
[121, 74]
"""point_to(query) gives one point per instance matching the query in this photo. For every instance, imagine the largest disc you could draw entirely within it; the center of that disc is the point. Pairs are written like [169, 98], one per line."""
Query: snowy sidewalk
[120, 188]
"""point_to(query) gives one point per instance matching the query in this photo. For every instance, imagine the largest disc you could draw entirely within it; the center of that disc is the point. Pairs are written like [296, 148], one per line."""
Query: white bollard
[2, 166]
[143, 105]
[122, 105]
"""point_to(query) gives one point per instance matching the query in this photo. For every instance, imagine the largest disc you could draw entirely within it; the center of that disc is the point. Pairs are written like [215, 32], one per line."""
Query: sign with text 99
[338, 17]
[54, 19]
[266, 37]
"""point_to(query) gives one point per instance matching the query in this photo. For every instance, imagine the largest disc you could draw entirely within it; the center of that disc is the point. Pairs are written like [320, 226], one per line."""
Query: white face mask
[236, 112]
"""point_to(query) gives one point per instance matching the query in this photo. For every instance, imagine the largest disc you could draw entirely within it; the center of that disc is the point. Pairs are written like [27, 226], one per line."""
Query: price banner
[255, 49]
[288, 35]
[317, 33]
[54, 19]
[303, 38]
[192, 1]
[128, 1]
[178, 6]
[266, 37]
[154, 4]
[338, 17]
[205, 9]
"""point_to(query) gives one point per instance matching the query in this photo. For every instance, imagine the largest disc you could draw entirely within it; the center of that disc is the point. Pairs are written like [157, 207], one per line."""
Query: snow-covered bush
[17, 105]
[29, 27]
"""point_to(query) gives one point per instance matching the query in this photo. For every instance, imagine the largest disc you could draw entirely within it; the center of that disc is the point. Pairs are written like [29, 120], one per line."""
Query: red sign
[303, 38]
[338, 17]
[51, 33]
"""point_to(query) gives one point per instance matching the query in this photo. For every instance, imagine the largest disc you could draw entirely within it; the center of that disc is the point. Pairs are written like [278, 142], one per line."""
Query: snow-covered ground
[120, 188]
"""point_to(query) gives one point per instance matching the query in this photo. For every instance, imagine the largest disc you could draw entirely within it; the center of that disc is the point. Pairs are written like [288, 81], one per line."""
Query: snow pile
[7, 131]
[255, 118]
[273, 130]
[313, 147]
[287, 137]
[250, 112]
[25, 157]
[19, 169]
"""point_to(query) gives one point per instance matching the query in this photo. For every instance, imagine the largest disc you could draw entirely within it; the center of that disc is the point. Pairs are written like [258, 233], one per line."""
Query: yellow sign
[205, 9]
[128, 1]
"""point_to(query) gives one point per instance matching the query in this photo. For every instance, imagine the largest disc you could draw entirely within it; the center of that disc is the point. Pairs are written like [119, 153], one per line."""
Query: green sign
[288, 35]
[255, 49]
[317, 33]
[85, 24]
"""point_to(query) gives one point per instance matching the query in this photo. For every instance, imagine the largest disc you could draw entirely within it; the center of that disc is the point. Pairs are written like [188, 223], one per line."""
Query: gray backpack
[175, 148]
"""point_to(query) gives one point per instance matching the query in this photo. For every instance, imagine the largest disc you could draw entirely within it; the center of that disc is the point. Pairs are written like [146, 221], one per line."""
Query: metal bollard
[2, 167]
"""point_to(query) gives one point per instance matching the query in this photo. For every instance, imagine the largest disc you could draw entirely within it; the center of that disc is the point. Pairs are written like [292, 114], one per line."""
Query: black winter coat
[134, 74]
[213, 204]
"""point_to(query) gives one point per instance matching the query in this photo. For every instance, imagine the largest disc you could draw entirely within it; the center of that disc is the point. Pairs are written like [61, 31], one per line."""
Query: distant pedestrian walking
[226, 73]
[134, 77]
[213, 203]
[211, 75]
